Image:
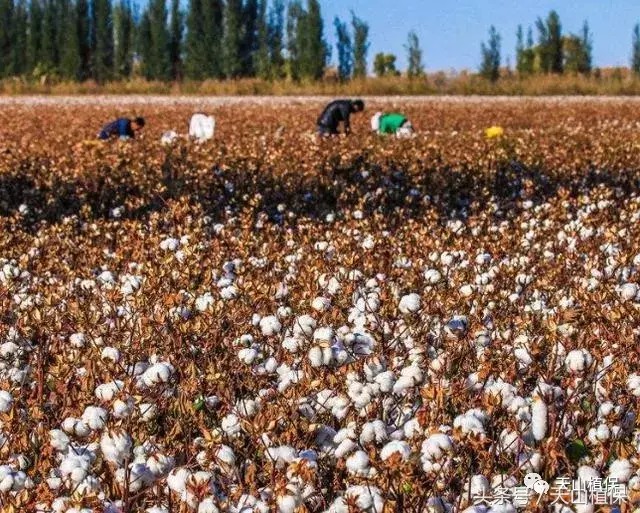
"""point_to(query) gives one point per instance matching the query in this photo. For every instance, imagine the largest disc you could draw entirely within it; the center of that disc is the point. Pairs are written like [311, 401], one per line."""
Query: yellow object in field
[493, 132]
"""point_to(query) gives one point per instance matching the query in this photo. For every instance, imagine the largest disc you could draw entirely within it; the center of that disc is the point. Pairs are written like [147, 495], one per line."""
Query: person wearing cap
[336, 112]
[123, 128]
[391, 123]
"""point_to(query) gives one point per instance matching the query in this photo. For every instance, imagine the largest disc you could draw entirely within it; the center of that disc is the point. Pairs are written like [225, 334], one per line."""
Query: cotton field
[266, 322]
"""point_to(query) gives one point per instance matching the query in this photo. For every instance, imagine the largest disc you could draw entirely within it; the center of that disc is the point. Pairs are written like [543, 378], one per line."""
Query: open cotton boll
[633, 384]
[159, 464]
[11, 480]
[115, 446]
[375, 431]
[204, 302]
[621, 469]
[74, 468]
[368, 498]
[409, 304]
[110, 353]
[158, 373]
[629, 291]
[478, 485]
[207, 506]
[578, 360]
[156, 509]
[270, 325]
[345, 447]
[148, 412]
[530, 462]
[304, 325]
[94, 417]
[77, 340]
[6, 401]
[471, 422]
[396, 447]
[436, 452]
[321, 304]
[231, 425]
[539, 419]
[59, 440]
[170, 244]
[358, 463]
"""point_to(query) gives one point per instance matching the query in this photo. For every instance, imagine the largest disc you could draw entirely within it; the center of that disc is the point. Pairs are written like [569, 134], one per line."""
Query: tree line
[551, 52]
[95, 39]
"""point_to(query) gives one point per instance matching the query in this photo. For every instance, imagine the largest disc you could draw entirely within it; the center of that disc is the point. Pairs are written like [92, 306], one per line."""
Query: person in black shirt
[338, 111]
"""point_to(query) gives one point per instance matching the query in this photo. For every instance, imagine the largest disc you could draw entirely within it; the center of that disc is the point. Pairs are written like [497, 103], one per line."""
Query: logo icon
[535, 482]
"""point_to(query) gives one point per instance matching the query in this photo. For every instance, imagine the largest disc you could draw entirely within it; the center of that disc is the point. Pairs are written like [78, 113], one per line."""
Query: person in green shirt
[391, 123]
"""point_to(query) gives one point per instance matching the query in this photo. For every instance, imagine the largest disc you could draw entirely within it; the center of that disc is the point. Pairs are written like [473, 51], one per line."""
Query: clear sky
[451, 31]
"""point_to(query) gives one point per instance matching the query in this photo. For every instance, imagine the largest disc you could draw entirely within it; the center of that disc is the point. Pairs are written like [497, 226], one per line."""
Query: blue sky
[451, 31]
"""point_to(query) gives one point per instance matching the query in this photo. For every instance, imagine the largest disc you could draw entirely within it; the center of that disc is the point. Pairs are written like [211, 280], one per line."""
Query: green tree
[525, 53]
[196, 58]
[360, 45]
[295, 18]
[69, 45]
[176, 32]
[232, 40]
[587, 46]
[262, 60]
[414, 56]
[156, 64]
[102, 40]
[49, 42]
[214, 28]
[344, 48]
[490, 66]
[35, 34]
[635, 56]
[19, 38]
[123, 23]
[83, 29]
[276, 38]
[314, 50]
[384, 64]
[249, 40]
[6, 37]
[550, 51]
[144, 43]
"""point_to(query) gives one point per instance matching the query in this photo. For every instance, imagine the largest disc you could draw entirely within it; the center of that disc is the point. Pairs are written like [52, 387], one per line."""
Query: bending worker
[122, 127]
[391, 123]
[338, 111]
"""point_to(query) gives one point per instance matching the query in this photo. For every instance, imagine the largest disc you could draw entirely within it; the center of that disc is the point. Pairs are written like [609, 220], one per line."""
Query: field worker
[338, 111]
[122, 127]
[391, 123]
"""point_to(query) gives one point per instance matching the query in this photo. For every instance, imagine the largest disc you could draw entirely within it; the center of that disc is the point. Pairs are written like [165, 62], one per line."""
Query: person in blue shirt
[122, 128]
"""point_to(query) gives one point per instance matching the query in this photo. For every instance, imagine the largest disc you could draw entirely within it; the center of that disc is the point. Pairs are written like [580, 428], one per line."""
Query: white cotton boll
[530, 462]
[148, 412]
[621, 469]
[629, 291]
[287, 504]
[77, 340]
[107, 391]
[231, 425]
[169, 244]
[177, 480]
[358, 463]
[304, 325]
[477, 485]
[633, 384]
[158, 373]
[6, 401]
[270, 325]
[323, 335]
[386, 381]
[230, 292]
[432, 276]
[539, 419]
[115, 446]
[247, 407]
[204, 302]
[59, 440]
[368, 498]
[226, 455]
[315, 356]
[321, 304]
[156, 509]
[578, 360]
[375, 431]
[159, 464]
[436, 451]
[248, 355]
[94, 417]
[466, 290]
[110, 353]
[471, 422]
[369, 243]
[409, 304]
[291, 344]
[207, 506]
[122, 409]
[396, 447]
[345, 447]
